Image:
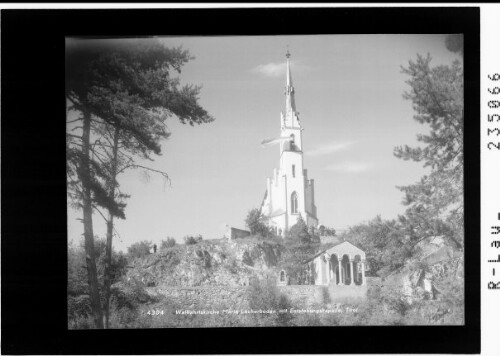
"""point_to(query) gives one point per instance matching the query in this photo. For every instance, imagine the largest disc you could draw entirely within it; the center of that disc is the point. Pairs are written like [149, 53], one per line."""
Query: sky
[349, 95]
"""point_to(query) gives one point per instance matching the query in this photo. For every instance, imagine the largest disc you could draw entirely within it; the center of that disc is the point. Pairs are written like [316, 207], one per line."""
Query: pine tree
[435, 203]
[300, 245]
[256, 223]
[124, 93]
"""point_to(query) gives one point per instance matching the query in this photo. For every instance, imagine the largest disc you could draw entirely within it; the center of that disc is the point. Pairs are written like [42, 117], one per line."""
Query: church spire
[289, 90]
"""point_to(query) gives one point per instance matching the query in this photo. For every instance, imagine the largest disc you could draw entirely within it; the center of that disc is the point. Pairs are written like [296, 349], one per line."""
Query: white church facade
[290, 192]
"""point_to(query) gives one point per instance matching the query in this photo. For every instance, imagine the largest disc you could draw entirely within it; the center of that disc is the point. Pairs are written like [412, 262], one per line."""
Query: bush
[81, 322]
[191, 240]
[300, 246]
[256, 223]
[232, 265]
[140, 249]
[265, 295]
[168, 243]
[302, 233]
[327, 231]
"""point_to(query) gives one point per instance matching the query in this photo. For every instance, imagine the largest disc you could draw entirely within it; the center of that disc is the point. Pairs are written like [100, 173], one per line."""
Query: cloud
[278, 69]
[349, 167]
[271, 69]
[329, 148]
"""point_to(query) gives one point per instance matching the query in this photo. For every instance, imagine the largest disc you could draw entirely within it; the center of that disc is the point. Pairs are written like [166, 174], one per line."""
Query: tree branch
[96, 208]
[164, 174]
[75, 120]
[74, 136]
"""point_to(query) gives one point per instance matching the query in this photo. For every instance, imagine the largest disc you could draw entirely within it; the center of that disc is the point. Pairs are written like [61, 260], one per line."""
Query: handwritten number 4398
[494, 104]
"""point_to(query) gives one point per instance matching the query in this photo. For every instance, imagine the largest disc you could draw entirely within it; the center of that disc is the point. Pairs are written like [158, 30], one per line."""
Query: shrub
[300, 246]
[256, 223]
[300, 232]
[327, 231]
[140, 249]
[232, 265]
[79, 306]
[247, 259]
[265, 295]
[168, 243]
[192, 240]
[81, 322]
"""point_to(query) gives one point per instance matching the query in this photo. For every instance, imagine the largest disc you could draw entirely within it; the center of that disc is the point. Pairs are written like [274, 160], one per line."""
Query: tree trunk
[87, 225]
[109, 234]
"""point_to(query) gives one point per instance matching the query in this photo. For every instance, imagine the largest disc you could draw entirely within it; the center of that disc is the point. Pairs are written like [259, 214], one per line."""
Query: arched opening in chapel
[282, 276]
[357, 270]
[335, 273]
[346, 270]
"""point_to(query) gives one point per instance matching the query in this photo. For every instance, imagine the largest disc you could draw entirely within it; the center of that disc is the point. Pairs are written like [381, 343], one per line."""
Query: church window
[294, 204]
[293, 170]
[282, 276]
[292, 143]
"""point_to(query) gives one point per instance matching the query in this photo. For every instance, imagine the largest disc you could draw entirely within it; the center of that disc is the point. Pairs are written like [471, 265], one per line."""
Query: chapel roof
[330, 247]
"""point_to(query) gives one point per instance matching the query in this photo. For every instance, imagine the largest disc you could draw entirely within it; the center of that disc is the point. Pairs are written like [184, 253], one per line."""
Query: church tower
[290, 193]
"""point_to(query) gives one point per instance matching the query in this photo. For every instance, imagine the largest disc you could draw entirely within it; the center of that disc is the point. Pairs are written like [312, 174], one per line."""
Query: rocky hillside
[211, 262]
[425, 275]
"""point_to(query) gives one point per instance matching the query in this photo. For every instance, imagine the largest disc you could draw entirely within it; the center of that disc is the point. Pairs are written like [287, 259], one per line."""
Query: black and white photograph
[250, 179]
[265, 181]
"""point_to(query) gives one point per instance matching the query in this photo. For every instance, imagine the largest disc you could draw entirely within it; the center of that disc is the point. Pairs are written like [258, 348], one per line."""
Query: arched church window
[292, 143]
[294, 204]
[282, 276]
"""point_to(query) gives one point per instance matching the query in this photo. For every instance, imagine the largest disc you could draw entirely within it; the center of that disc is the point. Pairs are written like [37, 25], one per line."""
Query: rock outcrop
[420, 278]
[211, 262]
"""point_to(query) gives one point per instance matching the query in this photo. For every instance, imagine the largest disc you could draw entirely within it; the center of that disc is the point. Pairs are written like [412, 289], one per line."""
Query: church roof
[289, 91]
[277, 212]
[263, 199]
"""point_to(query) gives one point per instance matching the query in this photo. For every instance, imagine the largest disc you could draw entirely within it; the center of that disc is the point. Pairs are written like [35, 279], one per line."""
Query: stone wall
[308, 295]
[234, 233]
[234, 297]
[304, 295]
[196, 298]
[347, 293]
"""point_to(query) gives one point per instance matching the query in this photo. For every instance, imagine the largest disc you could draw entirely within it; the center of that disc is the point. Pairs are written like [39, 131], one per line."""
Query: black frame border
[34, 249]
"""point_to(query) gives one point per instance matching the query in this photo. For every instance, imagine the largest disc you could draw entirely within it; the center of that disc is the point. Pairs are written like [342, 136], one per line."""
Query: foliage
[256, 223]
[77, 273]
[300, 246]
[168, 243]
[232, 265]
[301, 232]
[192, 240]
[129, 87]
[120, 93]
[435, 203]
[263, 294]
[326, 231]
[455, 43]
[383, 241]
[140, 249]
[79, 307]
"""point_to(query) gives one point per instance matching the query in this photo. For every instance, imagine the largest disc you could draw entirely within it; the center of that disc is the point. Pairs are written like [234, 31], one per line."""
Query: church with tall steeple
[290, 193]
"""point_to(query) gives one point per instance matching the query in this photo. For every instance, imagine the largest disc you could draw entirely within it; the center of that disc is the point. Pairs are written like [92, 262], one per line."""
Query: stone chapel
[290, 193]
